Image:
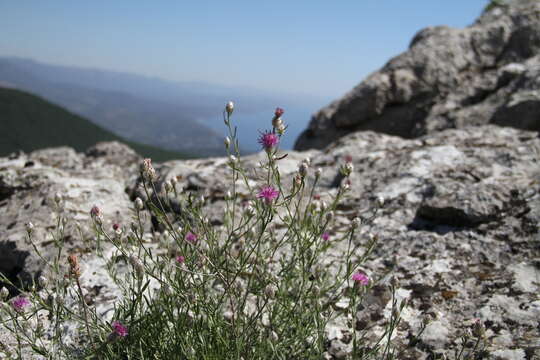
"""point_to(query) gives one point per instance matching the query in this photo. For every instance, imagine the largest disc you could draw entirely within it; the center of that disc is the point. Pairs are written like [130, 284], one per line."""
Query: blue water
[250, 125]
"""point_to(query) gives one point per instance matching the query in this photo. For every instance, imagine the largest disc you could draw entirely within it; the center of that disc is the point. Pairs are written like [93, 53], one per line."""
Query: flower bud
[355, 223]
[168, 186]
[318, 173]
[279, 112]
[139, 204]
[270, 291]
[4, 293]
[274, 336]
[95, 213]
[303, 169]
[380, 201]
[137, 265]
[148, 171]
[345, 186]
[281, 129]
[478, 329]
[329, 216]
[232, 160]
[227, 142]
[57, 198]
[229, 108]
[29, 228]
[277, 122]
[42, 281]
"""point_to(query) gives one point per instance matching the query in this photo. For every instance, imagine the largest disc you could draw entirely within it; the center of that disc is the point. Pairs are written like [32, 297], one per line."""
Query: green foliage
[29, 123]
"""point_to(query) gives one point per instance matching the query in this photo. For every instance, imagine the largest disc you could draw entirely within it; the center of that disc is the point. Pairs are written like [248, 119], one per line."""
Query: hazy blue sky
[316, 47]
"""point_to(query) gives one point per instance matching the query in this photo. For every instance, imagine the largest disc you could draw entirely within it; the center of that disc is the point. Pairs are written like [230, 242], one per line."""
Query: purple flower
[119, 329]
[279, 112]
[191, 237]
[361, 278]
[19, 303]
[180, 259]
[268, 140]
[325, 236]
[268, 194]
[95, 211]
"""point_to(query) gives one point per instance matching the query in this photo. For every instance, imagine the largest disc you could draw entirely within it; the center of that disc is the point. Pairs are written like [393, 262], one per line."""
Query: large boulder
[486, 73]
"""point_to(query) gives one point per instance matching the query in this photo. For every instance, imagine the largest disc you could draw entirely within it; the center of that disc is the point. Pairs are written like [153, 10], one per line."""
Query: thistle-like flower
[119, 330]
[268, 140]
[360, 278]
[148, 171]
[20, 303]
[268, 194]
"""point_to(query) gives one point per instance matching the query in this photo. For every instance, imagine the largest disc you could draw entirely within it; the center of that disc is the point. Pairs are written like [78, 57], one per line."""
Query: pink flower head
[95, 211]
[268, 194]
[19, 303]
[325, 236]
[361, 278]
[119, 329]
[268, 140]
[116, 227]
[191, 237]
[180, 259]
[348, 158]
[279, 112]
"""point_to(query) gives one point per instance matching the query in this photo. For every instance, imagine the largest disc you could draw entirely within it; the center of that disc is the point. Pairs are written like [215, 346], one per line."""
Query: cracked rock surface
[458, 231]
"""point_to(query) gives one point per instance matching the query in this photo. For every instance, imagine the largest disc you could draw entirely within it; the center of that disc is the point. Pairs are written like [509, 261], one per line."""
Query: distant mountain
[29, 123]
[158, 111]
[139, 119]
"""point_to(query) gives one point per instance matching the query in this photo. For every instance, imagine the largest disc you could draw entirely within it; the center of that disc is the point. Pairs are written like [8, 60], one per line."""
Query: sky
[314, 47]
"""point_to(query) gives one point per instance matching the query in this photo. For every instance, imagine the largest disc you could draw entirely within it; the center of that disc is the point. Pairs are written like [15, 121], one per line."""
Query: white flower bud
[318, 173]
[274, 336]
[380, 201]
[281, 129]
[4, 293]
[227, 142]
[345, 186]
[303, 169]
[355, 223]
[29, 228]
[57, 198]
[174, 181]
[232, 160]
[139, 204]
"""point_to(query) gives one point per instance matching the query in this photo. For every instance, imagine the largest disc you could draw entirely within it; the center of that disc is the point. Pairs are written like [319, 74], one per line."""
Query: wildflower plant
[257, 286]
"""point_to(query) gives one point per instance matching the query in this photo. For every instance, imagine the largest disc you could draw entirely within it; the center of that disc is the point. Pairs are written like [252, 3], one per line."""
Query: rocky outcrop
[488, 73]
[459, 229]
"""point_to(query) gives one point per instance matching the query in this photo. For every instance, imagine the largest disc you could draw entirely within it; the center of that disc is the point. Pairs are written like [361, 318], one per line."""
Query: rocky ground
[459, 230]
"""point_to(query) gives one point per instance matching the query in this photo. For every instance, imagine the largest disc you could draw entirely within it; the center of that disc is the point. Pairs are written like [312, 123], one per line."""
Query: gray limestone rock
[486, 73]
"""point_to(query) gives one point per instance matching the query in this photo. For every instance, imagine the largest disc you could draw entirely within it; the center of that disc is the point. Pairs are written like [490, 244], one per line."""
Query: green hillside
[28, 122]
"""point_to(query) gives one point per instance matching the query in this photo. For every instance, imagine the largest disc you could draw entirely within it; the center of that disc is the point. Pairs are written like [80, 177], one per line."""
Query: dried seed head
[148, 171]
[74, 268]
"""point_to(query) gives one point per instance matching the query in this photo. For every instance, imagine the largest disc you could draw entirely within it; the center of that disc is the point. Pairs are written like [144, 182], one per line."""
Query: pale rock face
[458, 228]
[449, 78]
